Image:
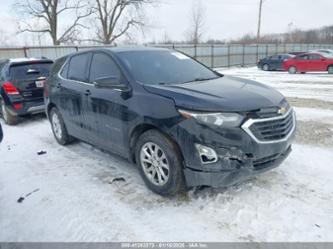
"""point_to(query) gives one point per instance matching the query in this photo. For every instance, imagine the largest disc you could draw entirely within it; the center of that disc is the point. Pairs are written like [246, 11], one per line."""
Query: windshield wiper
[200, 79]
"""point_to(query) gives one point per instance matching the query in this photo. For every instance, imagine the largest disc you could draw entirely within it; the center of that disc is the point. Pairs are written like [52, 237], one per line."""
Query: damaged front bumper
[235, 170]
[232, 155]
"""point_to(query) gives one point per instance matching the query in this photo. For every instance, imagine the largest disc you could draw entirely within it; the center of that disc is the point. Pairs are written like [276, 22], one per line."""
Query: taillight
[10, 89]
[18, 106]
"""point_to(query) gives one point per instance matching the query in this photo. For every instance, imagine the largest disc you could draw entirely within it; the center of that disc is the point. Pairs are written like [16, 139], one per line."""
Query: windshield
[164, 67]
[30, 71]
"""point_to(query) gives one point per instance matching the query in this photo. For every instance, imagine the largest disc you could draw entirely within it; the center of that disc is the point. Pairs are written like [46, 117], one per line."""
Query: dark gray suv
[183, 124]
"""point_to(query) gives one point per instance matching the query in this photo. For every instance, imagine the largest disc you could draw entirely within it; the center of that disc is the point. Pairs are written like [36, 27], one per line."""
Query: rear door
[72, 91]
[28, 78]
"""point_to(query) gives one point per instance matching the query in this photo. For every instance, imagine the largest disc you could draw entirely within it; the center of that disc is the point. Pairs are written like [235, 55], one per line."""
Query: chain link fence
[211, 55]
[239, 54]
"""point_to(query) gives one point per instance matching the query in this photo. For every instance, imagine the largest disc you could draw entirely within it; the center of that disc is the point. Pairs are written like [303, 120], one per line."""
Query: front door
[302, 63]
[275, 61]
[108, 107]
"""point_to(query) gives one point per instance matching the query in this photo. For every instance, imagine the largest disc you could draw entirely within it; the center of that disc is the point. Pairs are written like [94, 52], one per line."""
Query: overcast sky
[224, 19]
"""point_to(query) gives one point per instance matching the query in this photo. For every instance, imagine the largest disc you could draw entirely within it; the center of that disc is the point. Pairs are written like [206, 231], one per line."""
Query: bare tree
[48, 13]
[197, 19]
[116, 18]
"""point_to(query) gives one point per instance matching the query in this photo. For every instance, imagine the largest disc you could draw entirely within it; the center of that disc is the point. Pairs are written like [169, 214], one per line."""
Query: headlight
[218, 119]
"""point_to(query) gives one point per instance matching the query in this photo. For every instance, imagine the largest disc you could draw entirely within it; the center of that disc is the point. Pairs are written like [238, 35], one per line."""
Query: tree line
[323, 35]
[105, 21]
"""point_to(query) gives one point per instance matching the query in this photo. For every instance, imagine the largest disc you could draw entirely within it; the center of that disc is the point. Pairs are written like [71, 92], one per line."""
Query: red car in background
[308, 62]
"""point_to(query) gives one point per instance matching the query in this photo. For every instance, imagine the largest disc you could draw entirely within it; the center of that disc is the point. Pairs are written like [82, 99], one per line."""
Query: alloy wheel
[56, 125]
[292, 70]
[154, 163]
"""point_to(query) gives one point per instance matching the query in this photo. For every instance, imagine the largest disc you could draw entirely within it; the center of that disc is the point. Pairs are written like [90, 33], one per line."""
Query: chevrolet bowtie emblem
[282, 110]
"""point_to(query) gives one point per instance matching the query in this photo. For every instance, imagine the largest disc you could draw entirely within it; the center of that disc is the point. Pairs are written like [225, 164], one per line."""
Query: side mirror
[110, 82]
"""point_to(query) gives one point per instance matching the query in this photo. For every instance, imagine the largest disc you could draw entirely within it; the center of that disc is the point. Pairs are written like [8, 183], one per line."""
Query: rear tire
[59, 128]
[330, 69]
[266, 67]
[292, 70]
[160, 163]
[7, 116]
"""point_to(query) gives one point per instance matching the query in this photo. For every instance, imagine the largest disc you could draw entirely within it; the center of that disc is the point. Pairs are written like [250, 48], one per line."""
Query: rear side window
[102, 65]
[78, 67]
[29, 71]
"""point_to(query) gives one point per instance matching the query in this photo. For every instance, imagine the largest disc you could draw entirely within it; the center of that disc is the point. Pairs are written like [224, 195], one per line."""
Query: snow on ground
[312, 114]
[73, 196]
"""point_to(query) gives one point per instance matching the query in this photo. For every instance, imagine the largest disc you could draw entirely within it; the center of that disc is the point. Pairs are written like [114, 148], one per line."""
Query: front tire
[265, 67]
[7, 116]
[292, 70]
[58, 127]
[160, 163]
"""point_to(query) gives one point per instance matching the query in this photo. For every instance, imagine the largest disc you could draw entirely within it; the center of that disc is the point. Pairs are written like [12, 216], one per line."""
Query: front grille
[271, 129]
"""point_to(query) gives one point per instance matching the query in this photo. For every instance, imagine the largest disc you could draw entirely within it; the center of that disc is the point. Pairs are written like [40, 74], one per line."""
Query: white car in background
[324, 52]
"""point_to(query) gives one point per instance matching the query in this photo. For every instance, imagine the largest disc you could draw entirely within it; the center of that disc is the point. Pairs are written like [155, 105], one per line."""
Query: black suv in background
[22, 87]
[182, 123]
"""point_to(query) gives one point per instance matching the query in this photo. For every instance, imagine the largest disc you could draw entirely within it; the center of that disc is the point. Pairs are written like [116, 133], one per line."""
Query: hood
[227, 93]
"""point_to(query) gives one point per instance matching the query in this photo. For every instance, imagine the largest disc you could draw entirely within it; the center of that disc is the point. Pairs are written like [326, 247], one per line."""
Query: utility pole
[259, 21]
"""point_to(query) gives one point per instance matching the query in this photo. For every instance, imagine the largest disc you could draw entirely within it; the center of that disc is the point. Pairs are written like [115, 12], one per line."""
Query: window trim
[62, 69]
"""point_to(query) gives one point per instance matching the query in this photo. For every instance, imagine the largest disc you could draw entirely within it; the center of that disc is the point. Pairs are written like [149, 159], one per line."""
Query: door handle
[87, 93]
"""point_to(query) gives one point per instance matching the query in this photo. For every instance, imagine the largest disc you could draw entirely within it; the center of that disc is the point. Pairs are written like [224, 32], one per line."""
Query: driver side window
[302, 57]
[102, 65]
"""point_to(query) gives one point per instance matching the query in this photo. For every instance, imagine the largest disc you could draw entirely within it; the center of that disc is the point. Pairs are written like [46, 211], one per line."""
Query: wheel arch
[49, 108]
[292, 65]
[330, 65]
[142, 128]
